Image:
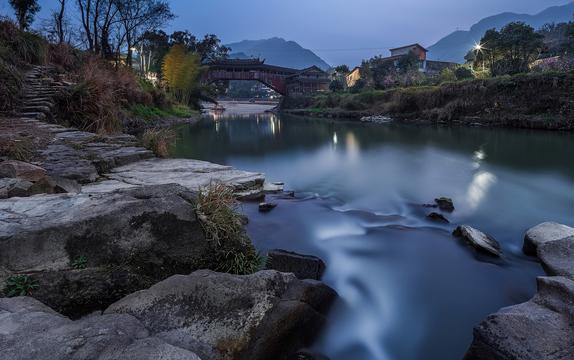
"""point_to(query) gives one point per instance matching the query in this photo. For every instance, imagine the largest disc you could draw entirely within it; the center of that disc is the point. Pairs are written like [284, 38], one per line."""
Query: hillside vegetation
[543, 100]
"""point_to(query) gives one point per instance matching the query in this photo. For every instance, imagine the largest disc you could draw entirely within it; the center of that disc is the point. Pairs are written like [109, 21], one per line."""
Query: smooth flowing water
[408, 289]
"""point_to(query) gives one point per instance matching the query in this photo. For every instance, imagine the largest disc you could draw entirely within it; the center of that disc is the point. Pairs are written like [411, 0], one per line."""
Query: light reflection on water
[408, 289]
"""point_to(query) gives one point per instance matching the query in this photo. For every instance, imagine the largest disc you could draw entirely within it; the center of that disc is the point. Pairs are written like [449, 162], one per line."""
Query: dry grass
[217, 210]
[160, 141]
[96, 104]
[20, 141]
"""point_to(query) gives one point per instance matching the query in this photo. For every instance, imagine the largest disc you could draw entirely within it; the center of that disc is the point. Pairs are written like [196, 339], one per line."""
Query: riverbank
[530, 101]
[89, 219]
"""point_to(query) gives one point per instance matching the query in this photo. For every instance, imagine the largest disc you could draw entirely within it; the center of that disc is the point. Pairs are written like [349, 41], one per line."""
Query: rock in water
[266, 207]
[541, 328]
[303, 266]
[543, 233]
[268, 315]
[478, 240]
[445, 204]
[438, 217]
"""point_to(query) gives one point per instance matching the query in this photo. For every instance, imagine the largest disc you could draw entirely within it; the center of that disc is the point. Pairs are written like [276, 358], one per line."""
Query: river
[408, 289]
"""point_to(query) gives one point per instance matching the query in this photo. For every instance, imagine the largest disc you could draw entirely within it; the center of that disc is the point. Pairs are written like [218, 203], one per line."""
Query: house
[428, 67]
[353, 76]
[415, 49]
[308, 81]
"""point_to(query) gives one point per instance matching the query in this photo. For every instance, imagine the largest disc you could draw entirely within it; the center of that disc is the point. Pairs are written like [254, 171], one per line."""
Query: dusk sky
[340, 31]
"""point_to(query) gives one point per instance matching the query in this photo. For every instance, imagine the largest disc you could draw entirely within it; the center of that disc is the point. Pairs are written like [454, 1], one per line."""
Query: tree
[59, 24]
[25, 11]
[181, 71]
[342, 69]
[154, 45]
[510, 50]
[209, 48]
[139, 16]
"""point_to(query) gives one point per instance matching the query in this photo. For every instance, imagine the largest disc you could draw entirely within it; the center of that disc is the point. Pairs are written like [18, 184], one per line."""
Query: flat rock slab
[543, 233]
[191, 174]
[267, 315]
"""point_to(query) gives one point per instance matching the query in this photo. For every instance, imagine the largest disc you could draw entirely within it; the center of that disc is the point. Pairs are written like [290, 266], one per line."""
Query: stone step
[38, 103]
[35, 115]
[37, 108]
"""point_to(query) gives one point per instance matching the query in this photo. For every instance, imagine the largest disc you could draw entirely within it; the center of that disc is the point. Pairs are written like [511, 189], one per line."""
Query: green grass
[154, 113]
[20, 285]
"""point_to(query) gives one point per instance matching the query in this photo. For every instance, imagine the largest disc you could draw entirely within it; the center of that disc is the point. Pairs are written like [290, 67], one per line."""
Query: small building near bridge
[308, 81]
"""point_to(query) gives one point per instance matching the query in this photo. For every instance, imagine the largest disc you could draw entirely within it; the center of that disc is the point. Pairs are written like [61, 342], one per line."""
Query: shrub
[160, 141]
[218, 214]
[21, 48]
[463, 73]
[20, 285]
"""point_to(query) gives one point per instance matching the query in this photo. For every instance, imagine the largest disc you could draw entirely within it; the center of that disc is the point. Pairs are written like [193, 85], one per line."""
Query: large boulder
[268, 315]
[557, 257]
[479, 240]
[543, 233]
[152, 228]
[303, 266]
[541, 328]
[29, 330]
[149, 231]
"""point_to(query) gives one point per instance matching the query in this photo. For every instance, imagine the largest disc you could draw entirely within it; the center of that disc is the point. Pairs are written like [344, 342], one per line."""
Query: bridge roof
[251, 64]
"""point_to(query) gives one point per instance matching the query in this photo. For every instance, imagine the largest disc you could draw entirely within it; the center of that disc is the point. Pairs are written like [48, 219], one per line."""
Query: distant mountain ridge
[277, 51]
[456, 45]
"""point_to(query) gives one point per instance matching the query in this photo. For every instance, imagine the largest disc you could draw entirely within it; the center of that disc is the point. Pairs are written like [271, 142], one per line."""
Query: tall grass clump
[217, 211]
[10, 85]
[98, 100]
[160, 141]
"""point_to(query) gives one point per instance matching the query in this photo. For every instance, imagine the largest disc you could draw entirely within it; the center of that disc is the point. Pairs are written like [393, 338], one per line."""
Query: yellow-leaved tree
[181, 72]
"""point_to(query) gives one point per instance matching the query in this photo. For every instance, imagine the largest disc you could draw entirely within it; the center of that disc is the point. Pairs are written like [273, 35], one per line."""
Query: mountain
[456, 45]
[277, 51]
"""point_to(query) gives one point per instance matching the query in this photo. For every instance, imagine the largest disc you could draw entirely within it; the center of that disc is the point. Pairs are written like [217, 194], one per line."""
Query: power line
[353, 49]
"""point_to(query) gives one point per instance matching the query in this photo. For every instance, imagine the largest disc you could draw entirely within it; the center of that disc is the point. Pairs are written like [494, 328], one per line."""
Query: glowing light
[335, 140]
[479, 187]
[479, 155]
[478, 47]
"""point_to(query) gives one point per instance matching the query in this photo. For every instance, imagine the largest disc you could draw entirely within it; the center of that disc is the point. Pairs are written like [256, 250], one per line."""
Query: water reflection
[408, 289]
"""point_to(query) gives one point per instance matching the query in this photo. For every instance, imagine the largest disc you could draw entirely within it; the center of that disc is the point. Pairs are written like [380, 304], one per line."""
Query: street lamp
[478, 47]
